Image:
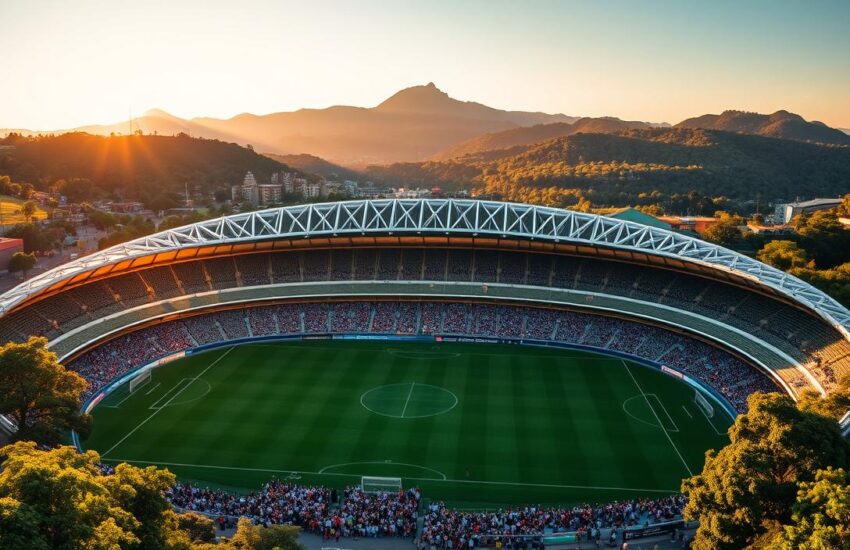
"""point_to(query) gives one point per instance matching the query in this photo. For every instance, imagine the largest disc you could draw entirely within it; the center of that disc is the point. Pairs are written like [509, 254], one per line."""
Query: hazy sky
[64, 64]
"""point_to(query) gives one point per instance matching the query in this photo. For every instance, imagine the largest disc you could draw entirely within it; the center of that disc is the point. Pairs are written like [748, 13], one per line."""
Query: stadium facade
[518, 258]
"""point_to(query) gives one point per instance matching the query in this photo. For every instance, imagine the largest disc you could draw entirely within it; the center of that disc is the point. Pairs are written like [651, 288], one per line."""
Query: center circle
[408, 400]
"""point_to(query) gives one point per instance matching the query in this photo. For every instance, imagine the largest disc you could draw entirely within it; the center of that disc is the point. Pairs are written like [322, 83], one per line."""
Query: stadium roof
[444, 217]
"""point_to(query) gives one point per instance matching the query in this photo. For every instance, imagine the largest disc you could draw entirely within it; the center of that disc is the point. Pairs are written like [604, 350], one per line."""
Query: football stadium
[475, 354]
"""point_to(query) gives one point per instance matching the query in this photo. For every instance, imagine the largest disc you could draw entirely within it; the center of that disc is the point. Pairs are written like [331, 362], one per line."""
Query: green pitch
[472, 424]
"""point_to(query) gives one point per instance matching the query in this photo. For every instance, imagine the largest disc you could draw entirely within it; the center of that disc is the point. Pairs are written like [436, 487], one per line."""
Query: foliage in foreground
[59, 500]
[39, 394]
[766, 487]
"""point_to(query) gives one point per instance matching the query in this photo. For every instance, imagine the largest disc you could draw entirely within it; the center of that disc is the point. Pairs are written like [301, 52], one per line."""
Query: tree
[783, 255]
[34, 236]
[821, 514]
[834, 405]
[76, 190]
[254, 537]
[726, 230]
[139, 491]
[749, 486]
[39, 394]
[21, 261]
[28, 210]
[198, 527]
[823, 236]
[59, 499]
[835, 281]
[844, 207]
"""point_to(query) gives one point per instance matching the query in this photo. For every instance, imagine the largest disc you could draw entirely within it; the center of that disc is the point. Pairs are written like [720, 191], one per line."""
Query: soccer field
[472, 424]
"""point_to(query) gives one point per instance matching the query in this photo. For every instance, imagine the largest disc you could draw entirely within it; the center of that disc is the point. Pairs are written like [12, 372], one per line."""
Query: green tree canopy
[77, 190]
[254, 537]
[21, 261]
[821, 514]
[38, 393]
[726, 231]
[34, 236]
[751, 484]
[783, 255]
[59, 499]
[28, 210]
[824, 237]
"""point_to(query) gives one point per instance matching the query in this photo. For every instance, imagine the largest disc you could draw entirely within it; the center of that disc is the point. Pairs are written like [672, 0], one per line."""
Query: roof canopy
[445, 217]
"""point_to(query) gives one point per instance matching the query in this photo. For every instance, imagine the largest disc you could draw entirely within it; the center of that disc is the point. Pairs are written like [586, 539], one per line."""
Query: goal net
[704, 404]
[371, 484]
[140, 380]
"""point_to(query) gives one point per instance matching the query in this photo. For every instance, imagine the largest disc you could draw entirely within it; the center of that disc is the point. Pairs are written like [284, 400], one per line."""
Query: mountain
[413, 124]
[430, 100]
[508, 141]
[314, 165]
[666, 166]
[780, 124]
[845, 130]
[136, 166]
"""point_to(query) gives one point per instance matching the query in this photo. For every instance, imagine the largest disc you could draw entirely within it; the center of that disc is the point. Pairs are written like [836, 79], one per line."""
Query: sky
[66, 64]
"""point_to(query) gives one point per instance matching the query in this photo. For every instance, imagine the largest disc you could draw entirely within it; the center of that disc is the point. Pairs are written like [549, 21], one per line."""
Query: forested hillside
[314, 165]
[151, 168]
[647, 166]
[510, 140]
[780, 124]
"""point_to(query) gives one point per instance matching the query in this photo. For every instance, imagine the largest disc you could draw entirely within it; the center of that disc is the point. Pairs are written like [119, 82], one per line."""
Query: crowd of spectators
[316, 509]
[733, 378]
[357, 513]
[449, 528]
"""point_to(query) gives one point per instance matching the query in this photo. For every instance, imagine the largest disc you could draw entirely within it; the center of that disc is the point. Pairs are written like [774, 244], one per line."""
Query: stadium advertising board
[653, 530]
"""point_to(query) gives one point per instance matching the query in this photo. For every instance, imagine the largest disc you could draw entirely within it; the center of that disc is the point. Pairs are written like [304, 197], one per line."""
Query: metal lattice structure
[445, 217]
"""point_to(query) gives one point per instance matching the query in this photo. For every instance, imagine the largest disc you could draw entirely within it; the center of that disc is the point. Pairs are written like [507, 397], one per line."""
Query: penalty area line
[143, 422]
[468, 481]
[658, 419]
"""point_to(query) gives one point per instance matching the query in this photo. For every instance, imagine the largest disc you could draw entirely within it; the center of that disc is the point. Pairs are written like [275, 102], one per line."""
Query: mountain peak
[158, 113]
[422, 98]
[781, 124]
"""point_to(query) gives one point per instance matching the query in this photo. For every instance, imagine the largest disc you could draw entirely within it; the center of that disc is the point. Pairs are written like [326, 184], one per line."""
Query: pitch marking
[273, 471]
[390, 462]
[150, 391]
[670, 439]
[675, 427]
[118, 405]
[143, 422]
[406, 401]
[625, 410]
[444, 411]
[687, 412]
[155, 405]
[710, 423]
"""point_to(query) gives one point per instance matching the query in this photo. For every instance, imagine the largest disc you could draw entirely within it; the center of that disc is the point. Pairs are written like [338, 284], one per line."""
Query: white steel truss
[445, 217]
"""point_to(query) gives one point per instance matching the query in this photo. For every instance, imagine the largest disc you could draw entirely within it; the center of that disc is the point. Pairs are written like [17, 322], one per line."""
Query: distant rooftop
[814, 202]
[635, 215]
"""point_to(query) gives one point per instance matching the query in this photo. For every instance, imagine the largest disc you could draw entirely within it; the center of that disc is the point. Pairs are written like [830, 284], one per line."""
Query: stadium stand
[795, 332]
[733, 378]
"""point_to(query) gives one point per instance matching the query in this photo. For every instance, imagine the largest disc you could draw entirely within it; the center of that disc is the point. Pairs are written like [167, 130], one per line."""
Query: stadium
[487, 353]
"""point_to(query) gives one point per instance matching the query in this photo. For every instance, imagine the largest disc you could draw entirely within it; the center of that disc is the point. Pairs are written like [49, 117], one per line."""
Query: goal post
[372, 484]
[704, 404]
[140, 380]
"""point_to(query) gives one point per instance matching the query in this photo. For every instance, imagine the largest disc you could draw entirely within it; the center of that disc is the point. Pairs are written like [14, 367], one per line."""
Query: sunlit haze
[66, 65]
